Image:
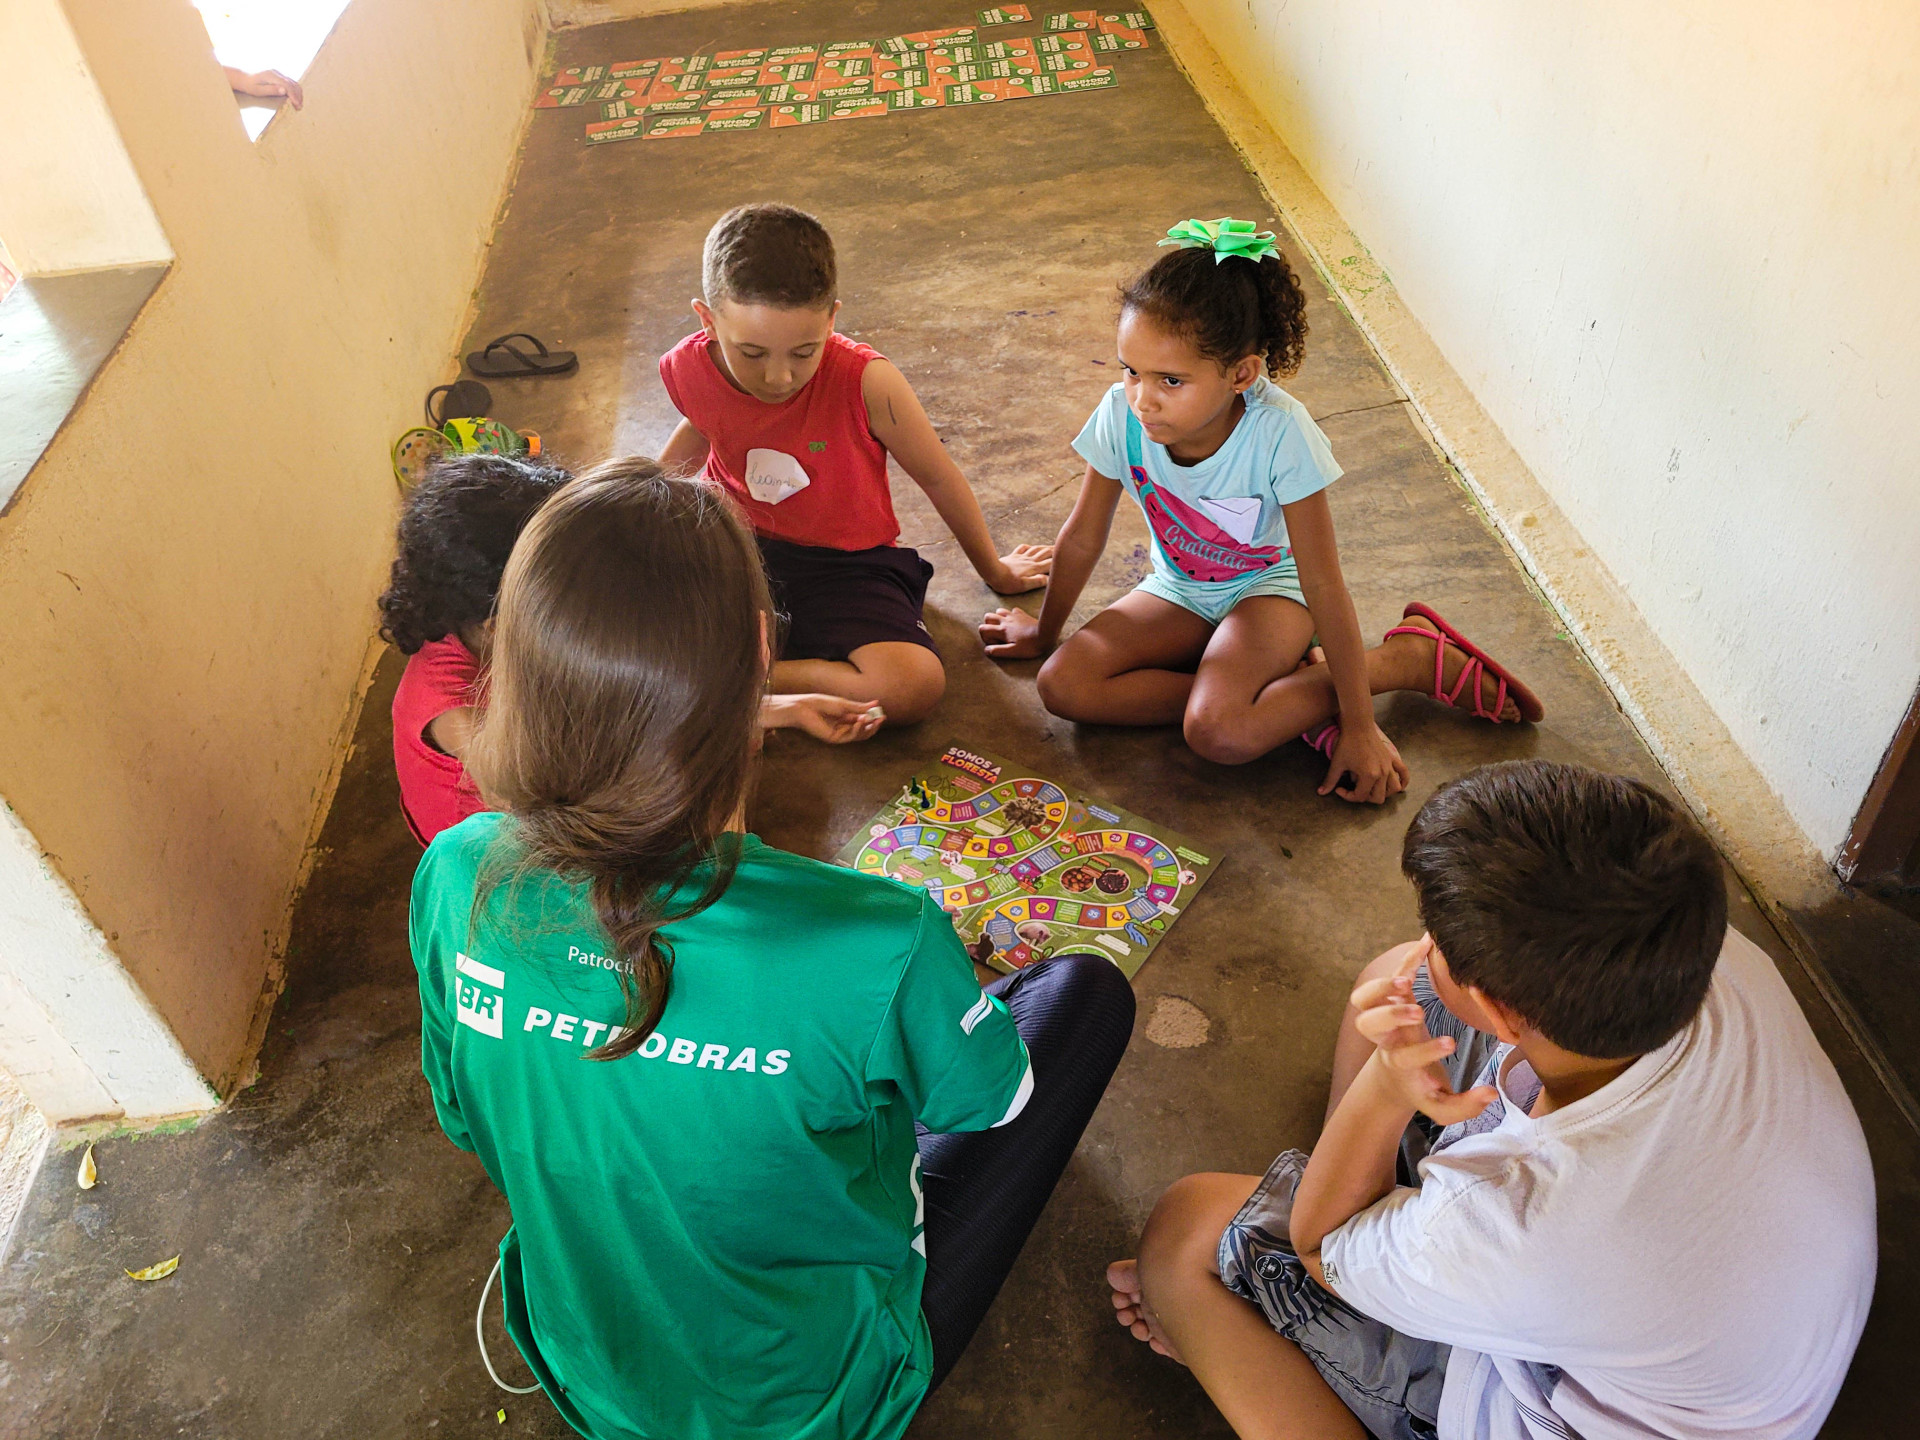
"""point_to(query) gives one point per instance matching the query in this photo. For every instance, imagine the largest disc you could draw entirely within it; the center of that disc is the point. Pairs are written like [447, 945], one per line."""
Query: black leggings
[984, 1190]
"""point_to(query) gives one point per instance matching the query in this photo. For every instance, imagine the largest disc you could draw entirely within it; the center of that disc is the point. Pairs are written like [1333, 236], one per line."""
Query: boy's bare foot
[1131, 1310]
[1413, 668]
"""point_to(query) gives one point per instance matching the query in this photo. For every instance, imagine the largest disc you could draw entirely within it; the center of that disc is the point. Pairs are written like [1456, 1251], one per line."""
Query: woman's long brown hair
[627, 669]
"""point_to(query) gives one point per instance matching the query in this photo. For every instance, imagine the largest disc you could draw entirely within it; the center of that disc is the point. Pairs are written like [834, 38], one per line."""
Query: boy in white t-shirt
[1650, 1215]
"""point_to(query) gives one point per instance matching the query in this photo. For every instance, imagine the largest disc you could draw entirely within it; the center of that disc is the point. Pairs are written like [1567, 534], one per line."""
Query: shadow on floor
[333, 1244]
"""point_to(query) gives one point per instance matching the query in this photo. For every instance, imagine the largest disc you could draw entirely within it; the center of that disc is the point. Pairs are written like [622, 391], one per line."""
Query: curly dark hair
[457, 527]
[1226, 308]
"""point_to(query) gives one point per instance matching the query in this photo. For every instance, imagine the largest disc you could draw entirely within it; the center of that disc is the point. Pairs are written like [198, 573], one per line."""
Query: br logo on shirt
[480, 995]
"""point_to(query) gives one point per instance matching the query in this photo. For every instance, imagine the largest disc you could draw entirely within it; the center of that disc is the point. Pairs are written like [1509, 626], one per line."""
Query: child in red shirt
[796, 422]
[457, 528]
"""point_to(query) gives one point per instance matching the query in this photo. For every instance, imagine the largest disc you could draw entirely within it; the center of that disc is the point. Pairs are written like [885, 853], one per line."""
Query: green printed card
[736, 120]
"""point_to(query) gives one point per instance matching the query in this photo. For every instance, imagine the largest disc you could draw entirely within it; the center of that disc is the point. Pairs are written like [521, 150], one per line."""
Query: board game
[1029, 869]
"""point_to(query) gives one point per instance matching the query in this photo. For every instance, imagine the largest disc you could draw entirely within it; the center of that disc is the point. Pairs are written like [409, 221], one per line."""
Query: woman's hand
[831, 718]
[1364, 752]
[1025, 569]
[1012, 634]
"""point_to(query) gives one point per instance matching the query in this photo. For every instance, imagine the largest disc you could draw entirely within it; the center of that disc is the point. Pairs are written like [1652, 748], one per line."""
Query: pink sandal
[1323, 739]
[1478, 663]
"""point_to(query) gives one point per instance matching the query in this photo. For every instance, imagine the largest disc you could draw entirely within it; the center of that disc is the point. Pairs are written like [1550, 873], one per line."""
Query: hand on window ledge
[265, 85]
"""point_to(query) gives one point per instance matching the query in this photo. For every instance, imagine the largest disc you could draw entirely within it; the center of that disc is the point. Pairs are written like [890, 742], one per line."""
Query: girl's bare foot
[1131, 1310]
[1413, 668]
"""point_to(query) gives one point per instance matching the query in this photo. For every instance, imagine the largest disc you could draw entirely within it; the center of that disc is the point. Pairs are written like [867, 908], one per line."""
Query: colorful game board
[670, 96]
[1028, 869]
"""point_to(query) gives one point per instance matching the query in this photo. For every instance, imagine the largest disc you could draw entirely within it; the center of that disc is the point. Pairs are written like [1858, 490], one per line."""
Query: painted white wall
[76, 1033]
[1670, 245]
[187, 578]
[70, 200]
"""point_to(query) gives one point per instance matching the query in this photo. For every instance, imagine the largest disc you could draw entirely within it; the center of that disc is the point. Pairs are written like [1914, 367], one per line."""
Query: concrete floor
[333, 1244]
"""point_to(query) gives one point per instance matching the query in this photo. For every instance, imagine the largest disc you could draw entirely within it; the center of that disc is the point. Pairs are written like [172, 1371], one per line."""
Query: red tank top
[435, 790]
[761, 453]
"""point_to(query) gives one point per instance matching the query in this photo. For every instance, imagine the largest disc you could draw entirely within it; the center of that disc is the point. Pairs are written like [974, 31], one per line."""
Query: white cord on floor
[480, 1334]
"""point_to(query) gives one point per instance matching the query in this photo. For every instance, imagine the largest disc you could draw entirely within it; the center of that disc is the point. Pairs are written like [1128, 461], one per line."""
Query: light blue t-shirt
[1220, 520]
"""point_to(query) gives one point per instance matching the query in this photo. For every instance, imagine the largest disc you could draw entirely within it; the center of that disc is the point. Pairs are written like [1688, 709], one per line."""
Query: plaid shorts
[1391, 1382]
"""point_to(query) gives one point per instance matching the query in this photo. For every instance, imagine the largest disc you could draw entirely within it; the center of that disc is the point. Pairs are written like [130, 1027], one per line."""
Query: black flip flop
[503, 358]
[465, 400]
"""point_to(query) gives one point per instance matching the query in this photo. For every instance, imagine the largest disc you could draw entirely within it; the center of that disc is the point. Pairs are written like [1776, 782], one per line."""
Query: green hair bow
[1225, 236]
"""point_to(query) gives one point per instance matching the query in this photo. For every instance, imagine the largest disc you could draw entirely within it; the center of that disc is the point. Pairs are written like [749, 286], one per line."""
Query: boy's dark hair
[1588, 903]
[457, 527]
[769, 255]
[1227, 309]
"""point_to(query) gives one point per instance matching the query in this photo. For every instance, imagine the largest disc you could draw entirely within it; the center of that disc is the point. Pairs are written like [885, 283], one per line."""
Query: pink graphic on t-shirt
[1198, 547]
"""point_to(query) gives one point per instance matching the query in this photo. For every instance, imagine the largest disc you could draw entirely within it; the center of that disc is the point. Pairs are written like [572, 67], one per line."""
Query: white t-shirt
[1686, 1253]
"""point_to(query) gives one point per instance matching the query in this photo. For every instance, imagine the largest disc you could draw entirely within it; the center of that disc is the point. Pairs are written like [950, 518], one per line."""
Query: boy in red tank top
[796, 422]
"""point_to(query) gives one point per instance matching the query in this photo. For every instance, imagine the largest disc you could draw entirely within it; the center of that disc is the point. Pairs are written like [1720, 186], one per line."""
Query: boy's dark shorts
[836, 601]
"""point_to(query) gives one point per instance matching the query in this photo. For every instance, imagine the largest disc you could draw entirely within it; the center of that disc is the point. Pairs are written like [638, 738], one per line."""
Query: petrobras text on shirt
[678, 1051]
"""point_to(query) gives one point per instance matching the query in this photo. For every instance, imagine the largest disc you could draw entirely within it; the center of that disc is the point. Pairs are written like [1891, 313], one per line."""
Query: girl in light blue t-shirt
[1231, 473]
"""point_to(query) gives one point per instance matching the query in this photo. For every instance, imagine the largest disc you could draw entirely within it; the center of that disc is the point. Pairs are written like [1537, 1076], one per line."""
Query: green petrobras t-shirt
[720, 1234]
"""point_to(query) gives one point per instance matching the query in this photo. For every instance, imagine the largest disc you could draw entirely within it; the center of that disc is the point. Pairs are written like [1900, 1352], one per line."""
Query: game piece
[940, 39]
[736, 120]
[1015, 87]
[1005, 15]
[849, 89]
[791, 93]
[1028, 869]
[561, 96]
[857, 107]
[1073, 20]
[1102, 79]
[967, 94]
[922, 97]
[674, 127]
[806, 113]
[731, 97]
[610, 130]
[907, 77]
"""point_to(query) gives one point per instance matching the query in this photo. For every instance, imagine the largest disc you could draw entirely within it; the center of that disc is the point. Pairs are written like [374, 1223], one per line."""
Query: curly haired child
[1231, 473]
[458, 525]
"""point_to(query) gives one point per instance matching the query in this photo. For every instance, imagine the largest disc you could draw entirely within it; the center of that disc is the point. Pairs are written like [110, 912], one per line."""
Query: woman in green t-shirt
[694, 1064]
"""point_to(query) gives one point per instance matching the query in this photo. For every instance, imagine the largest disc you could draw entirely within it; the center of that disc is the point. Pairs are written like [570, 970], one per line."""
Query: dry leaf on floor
[89, 1172]
[156, 1272]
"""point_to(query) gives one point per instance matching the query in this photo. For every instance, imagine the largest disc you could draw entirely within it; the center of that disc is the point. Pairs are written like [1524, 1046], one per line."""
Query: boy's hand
[1012, 634]
[825, 717]
[1406, 1063]
[1025, 569]
[1364, 752]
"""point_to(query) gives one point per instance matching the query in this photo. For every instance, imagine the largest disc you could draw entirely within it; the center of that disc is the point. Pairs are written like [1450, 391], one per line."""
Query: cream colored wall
[187, 579]
[71, 200]
[1670, 247]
